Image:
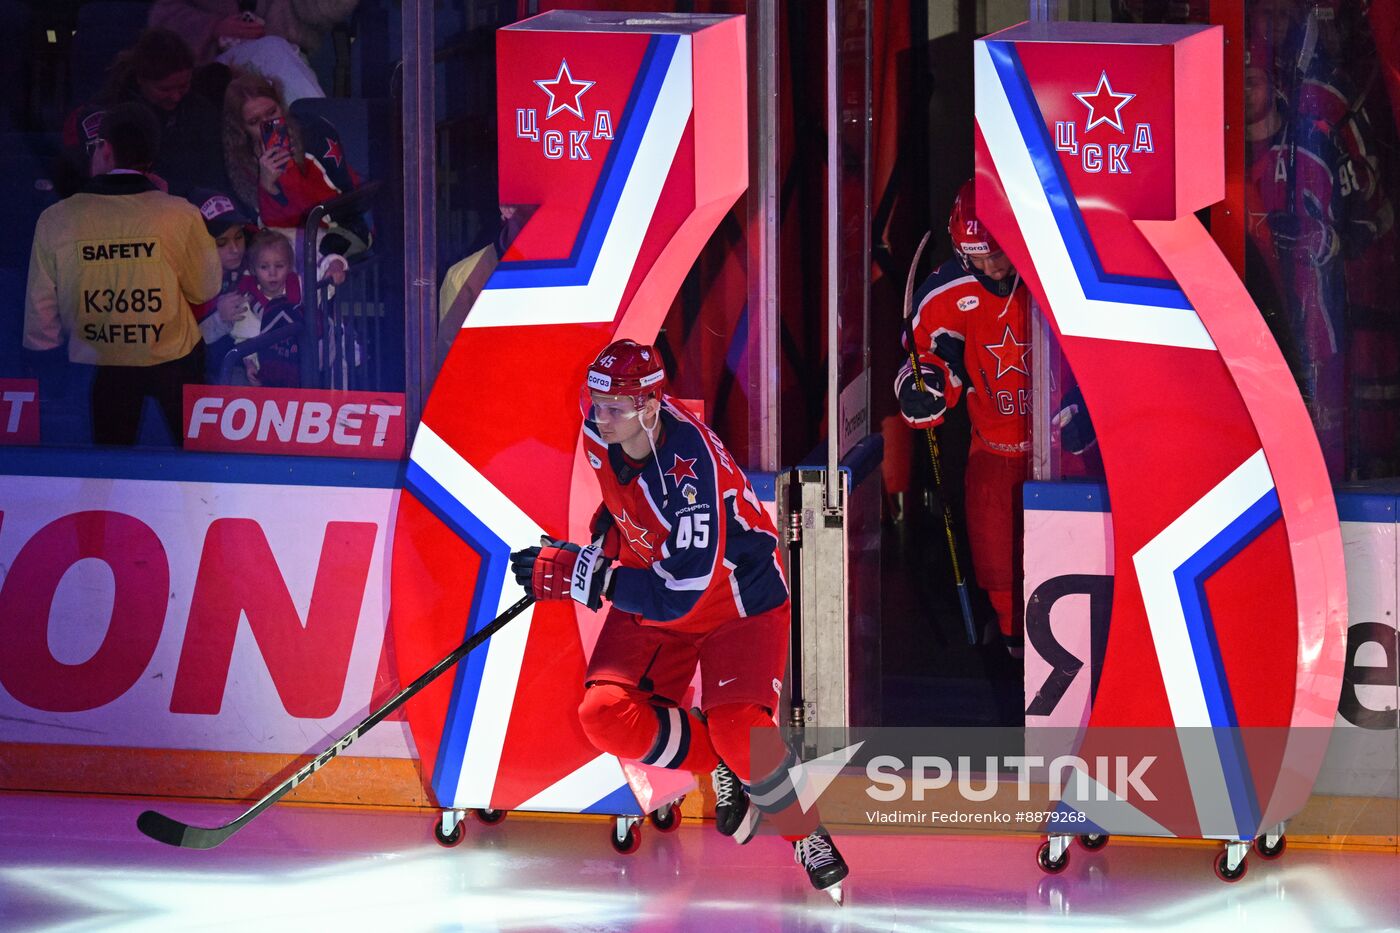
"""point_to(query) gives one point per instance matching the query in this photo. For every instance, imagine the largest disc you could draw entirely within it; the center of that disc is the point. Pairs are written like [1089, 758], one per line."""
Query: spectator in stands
[229, 315]
[284, 167]
[156, 71]
[273, 291]
[272, 37]
[114, 272]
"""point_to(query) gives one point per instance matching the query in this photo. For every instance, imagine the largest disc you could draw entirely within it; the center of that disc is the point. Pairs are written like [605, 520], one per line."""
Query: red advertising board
[19, 411]
[301, 422]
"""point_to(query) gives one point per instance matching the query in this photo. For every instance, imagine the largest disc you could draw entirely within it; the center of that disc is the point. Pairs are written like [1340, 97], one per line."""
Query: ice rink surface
[71, 864]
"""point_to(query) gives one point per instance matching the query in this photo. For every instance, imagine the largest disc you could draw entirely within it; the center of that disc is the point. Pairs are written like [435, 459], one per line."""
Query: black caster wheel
[448, 840]
[1266, 851]
[1092, 842]
[1048, 865]
[628, 843]
[488, 816]
[668, 818]
[1223, 872]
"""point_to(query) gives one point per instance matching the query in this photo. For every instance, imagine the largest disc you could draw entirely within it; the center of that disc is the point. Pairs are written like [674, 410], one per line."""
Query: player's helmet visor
[609, 409]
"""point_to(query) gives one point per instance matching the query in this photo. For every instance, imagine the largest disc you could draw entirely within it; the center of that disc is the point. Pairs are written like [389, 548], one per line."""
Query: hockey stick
[172, 832]
[933, 454]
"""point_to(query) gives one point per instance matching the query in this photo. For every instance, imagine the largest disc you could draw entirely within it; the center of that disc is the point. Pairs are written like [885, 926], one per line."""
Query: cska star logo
[565, 100]
[635, 533]
[332, 153]
[682, 470]
[1105, 107]
[1011, 355]
[564, 92]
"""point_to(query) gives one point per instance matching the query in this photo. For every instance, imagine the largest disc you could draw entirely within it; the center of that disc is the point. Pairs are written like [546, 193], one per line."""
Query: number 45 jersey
[697, 548]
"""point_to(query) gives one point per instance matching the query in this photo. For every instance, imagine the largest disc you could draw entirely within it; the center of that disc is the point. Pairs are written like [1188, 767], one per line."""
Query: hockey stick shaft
[172, 832]
[964, 601]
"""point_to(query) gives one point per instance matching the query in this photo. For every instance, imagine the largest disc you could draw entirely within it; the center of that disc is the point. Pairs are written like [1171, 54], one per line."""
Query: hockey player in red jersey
[1323, 223]
[971, 326]
[687, 557]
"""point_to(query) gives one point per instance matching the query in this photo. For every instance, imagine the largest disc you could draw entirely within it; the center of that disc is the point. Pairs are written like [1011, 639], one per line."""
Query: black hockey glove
[921, 409]
[602, 529]
[1076, 430]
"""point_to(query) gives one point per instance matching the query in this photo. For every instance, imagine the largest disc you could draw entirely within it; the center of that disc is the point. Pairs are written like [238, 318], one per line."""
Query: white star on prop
[575, 90]
[1104, 105]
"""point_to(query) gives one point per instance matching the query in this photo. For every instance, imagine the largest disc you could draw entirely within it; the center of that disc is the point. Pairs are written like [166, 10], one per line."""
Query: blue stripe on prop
[1191, 579]
[466, 687]
[620, 802]
[1098, 284]
[577, 269]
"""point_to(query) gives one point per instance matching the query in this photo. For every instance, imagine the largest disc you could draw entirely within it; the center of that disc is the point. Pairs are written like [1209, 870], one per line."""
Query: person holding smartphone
[283, 167]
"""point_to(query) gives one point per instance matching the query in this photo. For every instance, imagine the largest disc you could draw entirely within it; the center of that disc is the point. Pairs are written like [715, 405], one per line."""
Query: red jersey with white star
[982, 343]
[698, 549]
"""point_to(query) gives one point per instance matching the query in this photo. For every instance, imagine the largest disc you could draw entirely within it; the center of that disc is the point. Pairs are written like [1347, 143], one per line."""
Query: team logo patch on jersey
[594, 462]
[690, 494]
[682, 470]
[968, 302]
[635, 533]
[1011, 354]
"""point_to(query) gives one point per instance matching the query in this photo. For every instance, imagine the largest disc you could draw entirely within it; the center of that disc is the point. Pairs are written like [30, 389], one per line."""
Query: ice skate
[734, 816]
[825, 867]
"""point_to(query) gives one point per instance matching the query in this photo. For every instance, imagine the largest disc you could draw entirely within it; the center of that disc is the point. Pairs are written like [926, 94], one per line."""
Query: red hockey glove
[561, 570]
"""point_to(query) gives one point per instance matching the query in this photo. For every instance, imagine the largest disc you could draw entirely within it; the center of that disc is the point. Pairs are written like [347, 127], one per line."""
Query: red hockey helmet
[970, 236]
[625, 369]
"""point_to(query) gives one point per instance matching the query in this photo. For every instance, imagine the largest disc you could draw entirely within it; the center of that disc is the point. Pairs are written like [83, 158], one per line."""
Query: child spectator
[274, 294]
[219, 319]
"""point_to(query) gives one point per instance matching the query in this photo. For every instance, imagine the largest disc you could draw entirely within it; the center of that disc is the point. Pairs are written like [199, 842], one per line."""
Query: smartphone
[275, 133]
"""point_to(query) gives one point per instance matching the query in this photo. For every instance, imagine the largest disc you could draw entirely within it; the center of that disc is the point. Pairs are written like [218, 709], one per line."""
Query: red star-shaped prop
[567, 97]
[1011, 356]
[682, 469]
[1104, 105]
[635, 534]
[332, 152]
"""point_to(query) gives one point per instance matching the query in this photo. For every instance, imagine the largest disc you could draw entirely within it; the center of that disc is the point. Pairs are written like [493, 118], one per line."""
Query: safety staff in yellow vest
[115, 269]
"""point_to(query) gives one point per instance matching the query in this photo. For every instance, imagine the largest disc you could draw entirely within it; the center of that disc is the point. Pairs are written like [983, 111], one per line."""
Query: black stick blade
[162, 828]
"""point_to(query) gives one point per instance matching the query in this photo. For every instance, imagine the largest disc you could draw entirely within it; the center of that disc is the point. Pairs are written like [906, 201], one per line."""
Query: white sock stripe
[680, 735]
